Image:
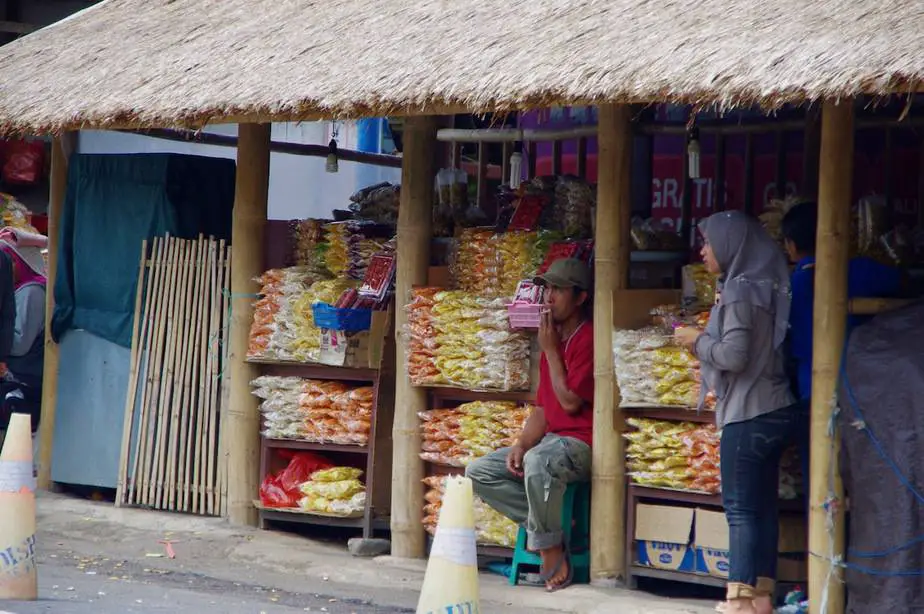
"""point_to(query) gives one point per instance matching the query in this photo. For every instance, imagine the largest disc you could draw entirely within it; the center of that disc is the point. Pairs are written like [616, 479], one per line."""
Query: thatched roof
[148, 63]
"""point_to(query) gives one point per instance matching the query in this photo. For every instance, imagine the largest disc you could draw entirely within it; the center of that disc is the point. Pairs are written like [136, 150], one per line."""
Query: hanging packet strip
[379, 277]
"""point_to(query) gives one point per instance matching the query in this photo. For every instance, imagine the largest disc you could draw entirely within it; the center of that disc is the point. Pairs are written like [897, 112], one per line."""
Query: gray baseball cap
[567, 273]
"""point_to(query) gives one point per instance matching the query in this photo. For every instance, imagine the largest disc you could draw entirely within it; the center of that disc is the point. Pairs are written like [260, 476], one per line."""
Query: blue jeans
[750, 463]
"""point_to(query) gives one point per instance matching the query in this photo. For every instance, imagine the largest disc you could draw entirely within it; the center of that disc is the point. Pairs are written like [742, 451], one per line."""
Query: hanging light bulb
[333, 164]
[693, 153]
[516, 169]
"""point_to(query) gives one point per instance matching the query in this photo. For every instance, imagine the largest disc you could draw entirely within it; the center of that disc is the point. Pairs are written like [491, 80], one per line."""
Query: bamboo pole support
[60, 153]
[830, 322]
[137, 340]
[414, 229]
[614, 202]
[248, 222]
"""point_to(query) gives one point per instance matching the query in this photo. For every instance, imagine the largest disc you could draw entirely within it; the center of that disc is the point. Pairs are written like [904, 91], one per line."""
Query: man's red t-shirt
[578, 354]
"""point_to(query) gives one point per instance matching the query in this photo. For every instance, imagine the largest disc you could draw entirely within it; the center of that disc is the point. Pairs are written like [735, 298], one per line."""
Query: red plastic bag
[272, 495]
[24, 162]
[300, 468]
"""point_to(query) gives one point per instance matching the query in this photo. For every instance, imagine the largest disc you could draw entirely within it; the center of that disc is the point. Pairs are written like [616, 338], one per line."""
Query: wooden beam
[718, 190]
[614, 209]
[826, 535]
[873, 306]
[61, 149]
[781, 165]
[749, 173]
[582, 157]
[811, 152]
[240, 420]
[482, 179]
[296, 149]
[556, 158]
[414, 229]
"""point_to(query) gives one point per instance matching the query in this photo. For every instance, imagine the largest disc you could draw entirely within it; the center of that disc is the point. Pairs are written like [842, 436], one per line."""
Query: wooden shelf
[656, 412]
[677, 576]
[296, 516]
[678, 496]
[695, 498]
[311, 370]
[460, 394]
[294, 444]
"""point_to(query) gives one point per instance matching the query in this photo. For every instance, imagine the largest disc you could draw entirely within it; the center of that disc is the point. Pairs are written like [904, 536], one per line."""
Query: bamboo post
[248, 220]
[60, 153]
[614, 204]
[414, 229]
[826, 538]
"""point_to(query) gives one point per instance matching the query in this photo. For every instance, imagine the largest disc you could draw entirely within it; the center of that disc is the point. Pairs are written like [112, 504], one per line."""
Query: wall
[299, 185]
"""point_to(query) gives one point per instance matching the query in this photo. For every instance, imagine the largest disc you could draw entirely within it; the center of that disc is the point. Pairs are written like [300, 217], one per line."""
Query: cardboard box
[362, 350]
[711, 538]
[663, 537]
[711, 542]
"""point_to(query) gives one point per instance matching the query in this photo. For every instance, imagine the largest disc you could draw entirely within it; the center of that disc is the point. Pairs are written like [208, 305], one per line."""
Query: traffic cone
[18, 578]
[451, 581]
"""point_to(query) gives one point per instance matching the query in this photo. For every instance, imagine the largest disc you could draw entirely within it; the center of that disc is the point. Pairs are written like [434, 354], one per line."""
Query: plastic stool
[575, 525]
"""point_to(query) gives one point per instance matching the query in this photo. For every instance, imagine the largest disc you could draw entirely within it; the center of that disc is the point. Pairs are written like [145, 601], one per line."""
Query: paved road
[118, 587]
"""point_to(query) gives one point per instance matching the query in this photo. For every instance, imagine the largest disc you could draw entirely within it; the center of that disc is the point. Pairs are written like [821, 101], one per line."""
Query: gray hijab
[754, 270]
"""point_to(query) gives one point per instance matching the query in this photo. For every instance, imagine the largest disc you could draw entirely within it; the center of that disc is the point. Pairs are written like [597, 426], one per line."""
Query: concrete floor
[94, 558]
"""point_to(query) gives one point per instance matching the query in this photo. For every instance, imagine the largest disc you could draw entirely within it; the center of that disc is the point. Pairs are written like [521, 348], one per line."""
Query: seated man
[527, 482]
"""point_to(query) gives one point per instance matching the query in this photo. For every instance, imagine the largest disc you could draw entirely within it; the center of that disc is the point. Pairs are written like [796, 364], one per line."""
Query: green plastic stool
[575, 525]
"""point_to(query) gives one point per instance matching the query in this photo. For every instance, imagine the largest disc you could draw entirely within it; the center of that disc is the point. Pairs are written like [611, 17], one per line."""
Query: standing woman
[742, 361]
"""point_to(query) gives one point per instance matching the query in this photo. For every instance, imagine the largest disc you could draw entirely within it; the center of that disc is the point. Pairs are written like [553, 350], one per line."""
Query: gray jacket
[746, 390]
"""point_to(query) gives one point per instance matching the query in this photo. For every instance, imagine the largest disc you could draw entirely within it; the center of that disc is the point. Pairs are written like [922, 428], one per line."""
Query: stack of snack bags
[673, 455]
[475, 347]
[315, 411]
[686, 456]
[421, 339]
[651, 369]
[280, 405]
[336, 491]
[699, 285]
[337, 414]
[349, 250]
[491, 527]
[475, 265]
[308, 246]
[282, 489]
[305, 344]
[455, 437]
[575, 201]
[274, 333]
[517, 256]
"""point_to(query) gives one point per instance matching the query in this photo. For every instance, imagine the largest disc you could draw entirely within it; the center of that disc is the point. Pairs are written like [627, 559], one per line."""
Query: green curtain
[113, 203]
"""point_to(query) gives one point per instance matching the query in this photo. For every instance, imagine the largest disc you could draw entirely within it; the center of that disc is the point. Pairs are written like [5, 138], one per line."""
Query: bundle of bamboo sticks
[170, 457]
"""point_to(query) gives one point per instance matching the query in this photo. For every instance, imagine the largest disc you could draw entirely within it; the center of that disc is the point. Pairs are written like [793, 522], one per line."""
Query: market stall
[322, 340]
[644, 67]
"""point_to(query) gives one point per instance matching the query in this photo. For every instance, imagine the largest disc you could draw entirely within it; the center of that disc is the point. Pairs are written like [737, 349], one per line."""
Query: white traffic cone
[18, 579]
[451, 581]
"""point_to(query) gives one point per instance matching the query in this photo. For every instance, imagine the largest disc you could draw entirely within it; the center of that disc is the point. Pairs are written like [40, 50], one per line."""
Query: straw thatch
[147, 63]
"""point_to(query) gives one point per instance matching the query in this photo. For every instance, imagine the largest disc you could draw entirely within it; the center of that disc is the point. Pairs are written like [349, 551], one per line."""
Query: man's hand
[515, 460]
[549, 337]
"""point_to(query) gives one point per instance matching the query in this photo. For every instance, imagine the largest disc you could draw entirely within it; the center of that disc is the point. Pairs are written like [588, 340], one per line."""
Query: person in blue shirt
[865, 278]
